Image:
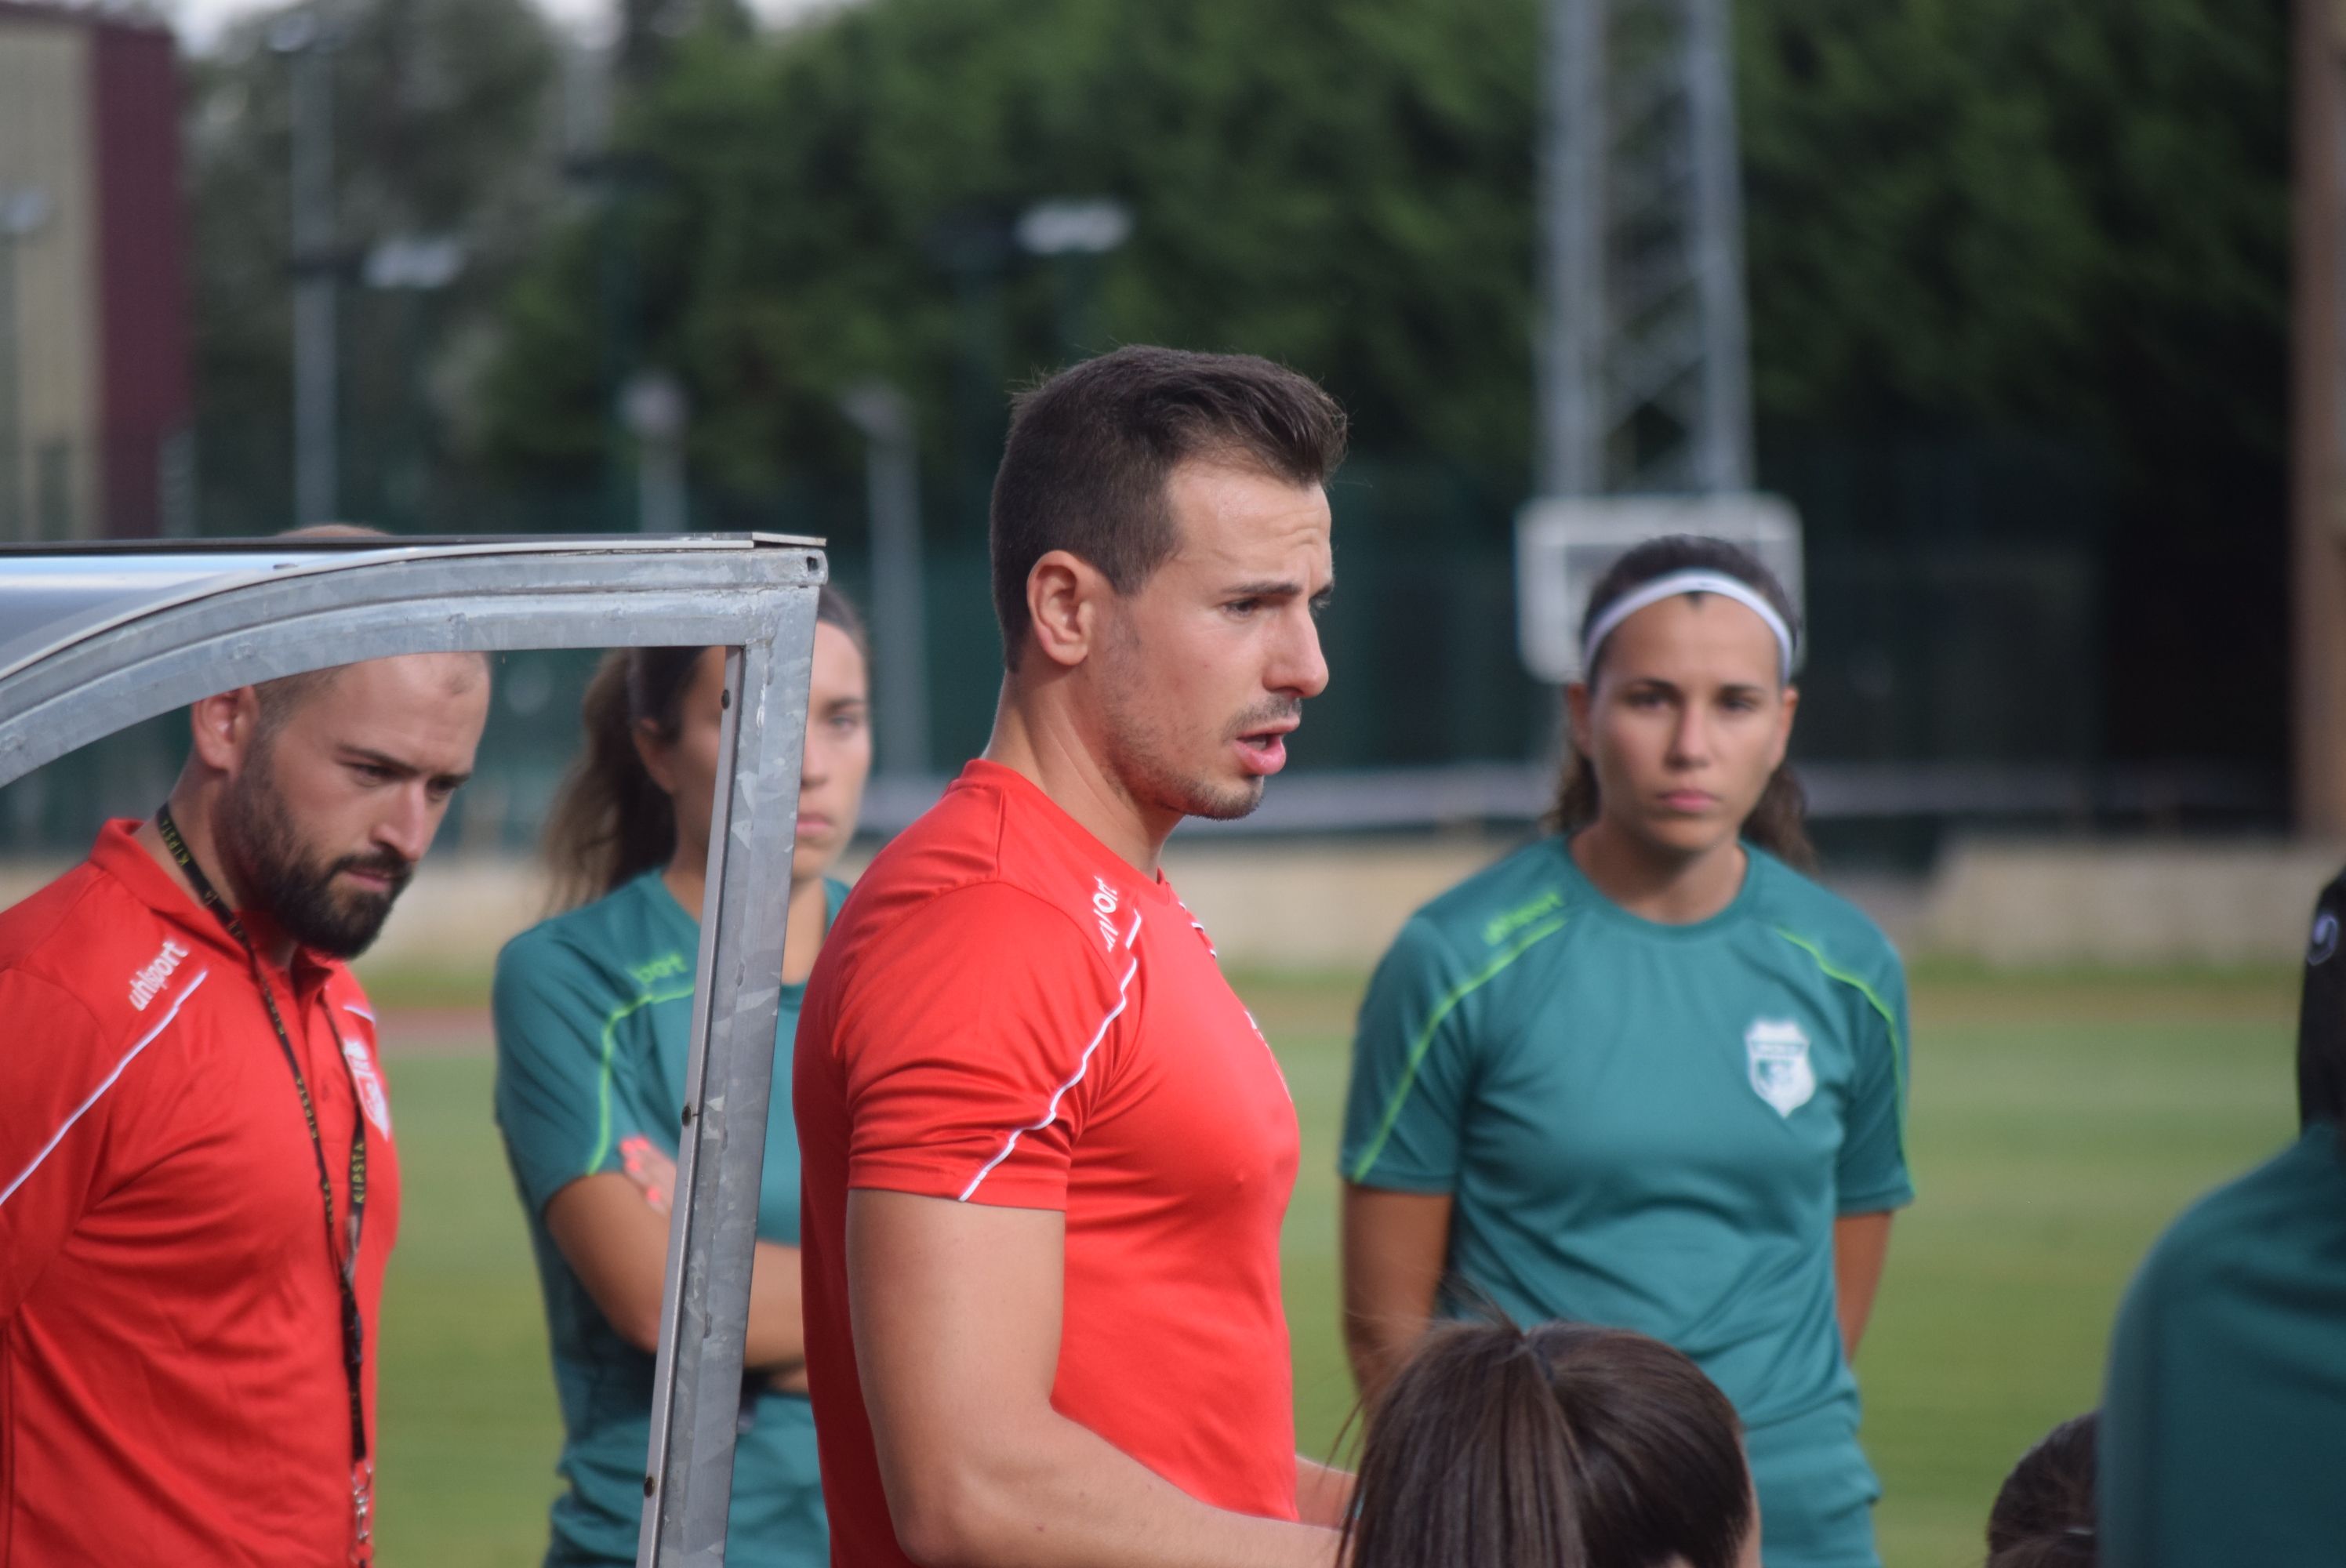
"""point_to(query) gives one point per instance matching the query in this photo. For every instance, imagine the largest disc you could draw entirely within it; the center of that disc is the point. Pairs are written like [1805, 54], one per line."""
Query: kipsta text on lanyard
[342, 1255]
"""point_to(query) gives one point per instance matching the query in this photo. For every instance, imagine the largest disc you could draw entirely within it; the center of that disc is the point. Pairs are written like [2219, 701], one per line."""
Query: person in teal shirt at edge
[1643, 1073]
[2223, 1430]
[592, 1008]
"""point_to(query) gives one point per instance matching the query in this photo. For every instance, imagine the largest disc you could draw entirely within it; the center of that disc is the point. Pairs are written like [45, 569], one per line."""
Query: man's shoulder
[84, 937]
[974, 867]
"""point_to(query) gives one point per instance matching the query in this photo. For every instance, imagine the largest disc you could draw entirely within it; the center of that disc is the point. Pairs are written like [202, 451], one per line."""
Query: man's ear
[1065, 594]
[222, 728]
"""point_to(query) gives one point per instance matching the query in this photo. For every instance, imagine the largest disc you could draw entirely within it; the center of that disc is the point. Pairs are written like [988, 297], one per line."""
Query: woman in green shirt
[592, 1011]
[1644, 1073]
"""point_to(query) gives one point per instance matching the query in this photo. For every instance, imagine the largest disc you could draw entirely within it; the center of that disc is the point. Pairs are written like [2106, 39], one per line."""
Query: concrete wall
[2014, 904]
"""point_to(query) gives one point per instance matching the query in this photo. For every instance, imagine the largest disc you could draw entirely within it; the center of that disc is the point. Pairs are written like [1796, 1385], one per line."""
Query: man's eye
[371, 772]
[1243, 606]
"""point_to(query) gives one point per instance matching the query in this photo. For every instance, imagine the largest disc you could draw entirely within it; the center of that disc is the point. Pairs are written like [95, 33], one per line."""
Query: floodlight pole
[302, 38]
[892, 478]
[1643, 359]
[2318, 463]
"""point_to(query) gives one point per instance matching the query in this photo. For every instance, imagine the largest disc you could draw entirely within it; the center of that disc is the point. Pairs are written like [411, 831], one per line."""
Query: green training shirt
[1653, 1127]
[2223, 1431]
[592, 1010]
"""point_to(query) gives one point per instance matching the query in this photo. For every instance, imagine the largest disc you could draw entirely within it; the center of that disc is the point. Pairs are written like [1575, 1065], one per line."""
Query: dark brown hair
[1090, 451]
[1778, 823]
[1560, 1446]
[2043, 1516]
[611, 820]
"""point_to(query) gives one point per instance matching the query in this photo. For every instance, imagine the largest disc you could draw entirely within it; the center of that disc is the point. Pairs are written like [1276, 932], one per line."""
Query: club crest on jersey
[1780, 1071]
[371, 1099]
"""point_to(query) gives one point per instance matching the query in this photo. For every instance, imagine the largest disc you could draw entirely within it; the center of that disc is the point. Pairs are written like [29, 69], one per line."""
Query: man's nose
[408, 830]
[1303, 666]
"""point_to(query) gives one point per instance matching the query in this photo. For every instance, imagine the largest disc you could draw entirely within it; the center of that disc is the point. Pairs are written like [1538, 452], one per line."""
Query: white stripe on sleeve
[1083, 1065]
[96, 1095]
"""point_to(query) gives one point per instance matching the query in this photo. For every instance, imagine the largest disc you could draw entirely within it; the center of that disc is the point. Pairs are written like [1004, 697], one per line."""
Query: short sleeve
[1412, 1056]
[973, 1037]
[554, 1093]
[1872, 1174]
[60, 1080]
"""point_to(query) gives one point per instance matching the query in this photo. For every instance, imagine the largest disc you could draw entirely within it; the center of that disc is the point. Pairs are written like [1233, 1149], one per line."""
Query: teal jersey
[2223, 1425]
[1653, 1127]
[592, 1011]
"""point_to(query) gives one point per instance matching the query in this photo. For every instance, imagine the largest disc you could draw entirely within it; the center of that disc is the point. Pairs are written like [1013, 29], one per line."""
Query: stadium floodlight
[1564, 545]
[1092, 227]
[96, 637]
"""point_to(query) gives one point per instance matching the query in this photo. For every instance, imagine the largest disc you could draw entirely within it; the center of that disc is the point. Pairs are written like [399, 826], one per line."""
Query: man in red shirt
[197, 1183]
[1045, 1152]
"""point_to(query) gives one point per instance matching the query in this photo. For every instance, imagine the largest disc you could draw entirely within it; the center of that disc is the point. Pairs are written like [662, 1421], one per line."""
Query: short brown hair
[1090, 451]
[1558, 1446]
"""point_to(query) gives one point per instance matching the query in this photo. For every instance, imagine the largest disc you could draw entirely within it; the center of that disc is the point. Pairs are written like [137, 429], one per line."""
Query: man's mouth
[1264, 753]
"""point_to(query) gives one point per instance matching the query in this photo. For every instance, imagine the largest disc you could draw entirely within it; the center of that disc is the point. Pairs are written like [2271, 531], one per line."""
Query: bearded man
[1045, 1152]
[199, 1188]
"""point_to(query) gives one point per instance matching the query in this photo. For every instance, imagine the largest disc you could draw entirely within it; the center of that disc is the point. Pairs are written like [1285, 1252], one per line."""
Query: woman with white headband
[1644, 1073]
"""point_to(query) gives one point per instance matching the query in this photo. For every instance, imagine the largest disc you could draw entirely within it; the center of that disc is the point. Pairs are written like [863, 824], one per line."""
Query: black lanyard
[346, 1268]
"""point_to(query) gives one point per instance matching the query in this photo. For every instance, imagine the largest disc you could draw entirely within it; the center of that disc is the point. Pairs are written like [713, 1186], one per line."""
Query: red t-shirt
[171, 1382]
[1007, 1013]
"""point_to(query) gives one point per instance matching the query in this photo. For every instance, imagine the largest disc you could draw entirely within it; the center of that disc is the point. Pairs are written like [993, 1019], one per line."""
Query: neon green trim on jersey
[603, 1078]
[1889, 1019]
[1424, 1043]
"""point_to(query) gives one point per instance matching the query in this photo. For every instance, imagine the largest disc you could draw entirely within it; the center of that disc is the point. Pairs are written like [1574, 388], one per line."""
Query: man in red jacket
[199, 1186]
[1046, 1150]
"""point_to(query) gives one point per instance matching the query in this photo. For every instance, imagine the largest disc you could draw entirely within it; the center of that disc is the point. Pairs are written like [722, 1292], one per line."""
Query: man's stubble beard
[276, 873]
[1138, 750]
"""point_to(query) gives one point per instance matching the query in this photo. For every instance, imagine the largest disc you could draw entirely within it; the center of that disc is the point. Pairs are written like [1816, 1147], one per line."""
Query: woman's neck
[1652, 885]
[687, 878]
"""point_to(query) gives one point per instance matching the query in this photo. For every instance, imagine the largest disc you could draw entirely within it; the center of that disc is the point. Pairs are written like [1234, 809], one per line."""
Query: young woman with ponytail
[592, 1008]
[1644, 1073]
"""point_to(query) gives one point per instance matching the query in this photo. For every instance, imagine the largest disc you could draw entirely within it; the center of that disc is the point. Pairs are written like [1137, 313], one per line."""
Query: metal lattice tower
[1644, 373]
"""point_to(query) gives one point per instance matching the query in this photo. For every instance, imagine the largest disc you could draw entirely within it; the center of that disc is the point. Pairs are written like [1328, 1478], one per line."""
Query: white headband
[1689, 581]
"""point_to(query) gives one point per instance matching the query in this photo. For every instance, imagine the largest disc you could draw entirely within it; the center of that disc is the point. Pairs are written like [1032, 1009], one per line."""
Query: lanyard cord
[346, 1269]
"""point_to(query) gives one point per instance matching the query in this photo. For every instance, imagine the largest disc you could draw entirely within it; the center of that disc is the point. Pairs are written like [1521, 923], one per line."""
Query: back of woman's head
[2043, 1516]
[1562, 1446]
[611, 821]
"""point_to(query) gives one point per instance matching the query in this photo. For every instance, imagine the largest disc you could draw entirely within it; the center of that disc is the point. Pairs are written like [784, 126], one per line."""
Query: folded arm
[616, 1241]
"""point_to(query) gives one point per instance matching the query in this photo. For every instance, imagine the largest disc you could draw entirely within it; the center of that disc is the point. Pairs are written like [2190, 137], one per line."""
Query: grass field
[2057, 1124]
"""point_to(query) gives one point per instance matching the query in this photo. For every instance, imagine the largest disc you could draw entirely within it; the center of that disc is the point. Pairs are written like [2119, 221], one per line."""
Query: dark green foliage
[1963, 214]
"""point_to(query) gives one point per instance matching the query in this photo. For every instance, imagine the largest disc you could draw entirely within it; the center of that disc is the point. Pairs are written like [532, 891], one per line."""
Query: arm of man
[957, 1311]
[617, 1243]
[1395, 1244]
[1323, 1494]
[1861, 1246]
